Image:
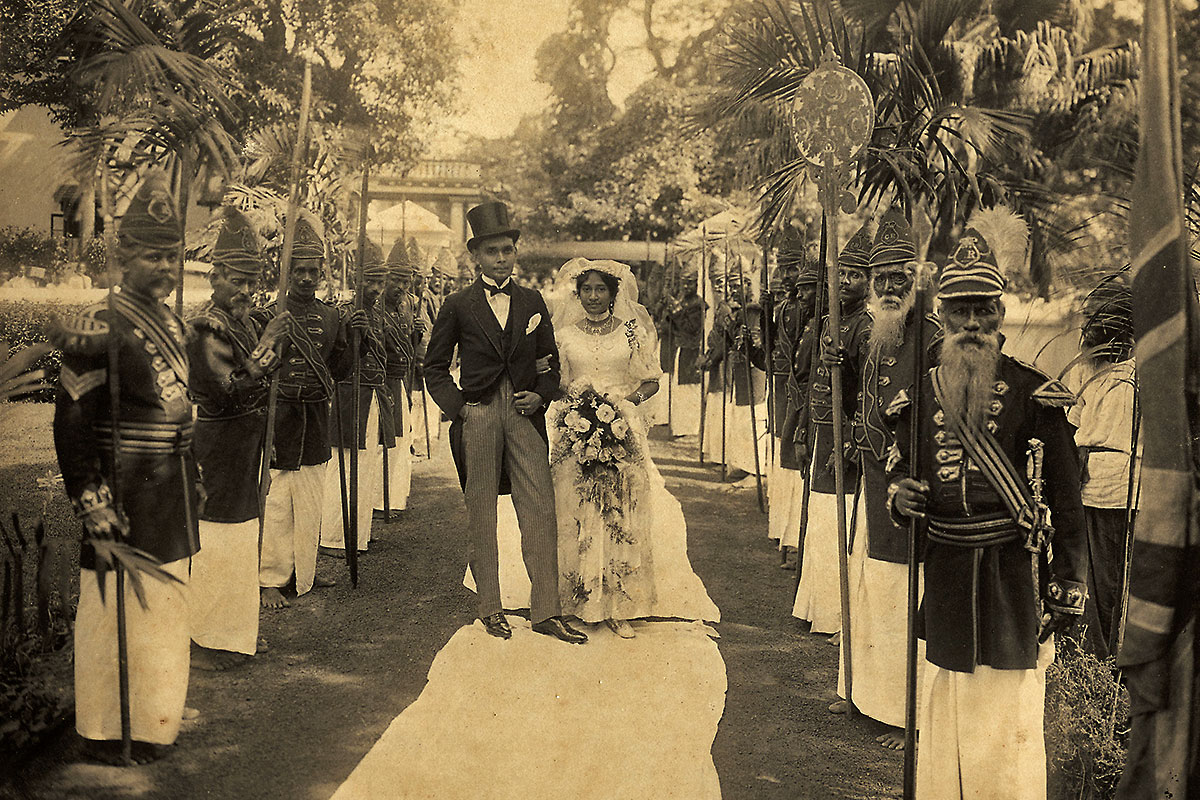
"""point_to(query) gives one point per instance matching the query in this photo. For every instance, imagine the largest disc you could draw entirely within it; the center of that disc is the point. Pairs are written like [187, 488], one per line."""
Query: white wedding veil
[569, 310]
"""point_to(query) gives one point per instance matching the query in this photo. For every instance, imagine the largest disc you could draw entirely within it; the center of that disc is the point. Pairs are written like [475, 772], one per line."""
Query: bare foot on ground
[892, 740]
[270, 597]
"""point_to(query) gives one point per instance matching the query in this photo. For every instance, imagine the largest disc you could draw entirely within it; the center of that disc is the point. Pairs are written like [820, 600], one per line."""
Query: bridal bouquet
[594, 433]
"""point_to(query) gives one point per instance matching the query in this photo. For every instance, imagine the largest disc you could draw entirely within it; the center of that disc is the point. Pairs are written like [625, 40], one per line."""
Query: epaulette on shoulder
[1049, 392]
[207, 322]
[82, 333]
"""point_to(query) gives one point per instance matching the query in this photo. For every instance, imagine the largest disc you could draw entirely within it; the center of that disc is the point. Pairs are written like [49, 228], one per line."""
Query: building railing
[440, 171]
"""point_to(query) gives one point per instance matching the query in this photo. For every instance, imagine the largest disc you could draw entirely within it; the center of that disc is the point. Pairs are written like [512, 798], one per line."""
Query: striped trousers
[494, 436]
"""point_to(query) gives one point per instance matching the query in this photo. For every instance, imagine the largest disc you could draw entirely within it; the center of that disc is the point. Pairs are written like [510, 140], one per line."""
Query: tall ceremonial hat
[810, 274]
[373, 267]
[397, 262]
[237, 248]
[152, 219]
[444, 264]
[488, 220]
[894, 241]
[857, 252]
[992, 246]
[308, 241]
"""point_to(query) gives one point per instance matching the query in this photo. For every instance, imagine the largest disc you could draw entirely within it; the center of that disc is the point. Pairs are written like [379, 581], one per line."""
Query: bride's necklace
[598, 327]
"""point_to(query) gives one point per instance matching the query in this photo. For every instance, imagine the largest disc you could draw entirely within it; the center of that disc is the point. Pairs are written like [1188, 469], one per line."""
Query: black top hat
[488, 220]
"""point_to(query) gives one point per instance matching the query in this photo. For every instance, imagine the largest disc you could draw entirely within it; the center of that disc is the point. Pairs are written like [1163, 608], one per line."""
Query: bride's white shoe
[621, 628]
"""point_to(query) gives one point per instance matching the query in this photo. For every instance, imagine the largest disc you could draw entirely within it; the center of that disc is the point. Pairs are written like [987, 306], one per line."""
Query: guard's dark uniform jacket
[872, 382]
[400, 351]
[154, 422]
[981, 605]
[319, 356]
[730, 336]
[854, 321]
[372, 370]
[794, 447]
[787, 326]
[687, 326]
[229, 386]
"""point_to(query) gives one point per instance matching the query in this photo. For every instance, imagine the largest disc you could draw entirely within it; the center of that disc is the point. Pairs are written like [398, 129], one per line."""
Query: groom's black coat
[486, 353]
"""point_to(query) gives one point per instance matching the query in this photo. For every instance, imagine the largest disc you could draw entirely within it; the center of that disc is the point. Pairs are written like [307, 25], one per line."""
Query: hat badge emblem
[159, 209]
[968, 252]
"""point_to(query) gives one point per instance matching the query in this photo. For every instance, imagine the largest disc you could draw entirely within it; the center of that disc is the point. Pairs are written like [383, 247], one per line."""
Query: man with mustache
[375, 421]
[155, 504]
[993, 596]
[878, 366]
[319, 357]
[818, 597]
[232, 357]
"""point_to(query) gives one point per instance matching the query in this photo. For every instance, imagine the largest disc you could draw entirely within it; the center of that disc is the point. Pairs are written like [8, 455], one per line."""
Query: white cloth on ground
[370, 486]
[981, 733]
[292, 528]
[223, 588]
[878, 631]
[818, 597]
[532, 717]
[159, 657]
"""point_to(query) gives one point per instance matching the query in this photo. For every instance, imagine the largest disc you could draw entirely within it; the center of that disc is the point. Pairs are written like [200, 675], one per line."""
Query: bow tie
[495, 290]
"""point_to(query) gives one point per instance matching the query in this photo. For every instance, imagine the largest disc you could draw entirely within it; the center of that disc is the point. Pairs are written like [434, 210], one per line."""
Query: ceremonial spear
[285, 262]
[114, 402]
[350, 540]
[833, 116]
[750, 387]
[671, 287]
[726, 372]
[769, 319]
[703, 281]
[810, 426]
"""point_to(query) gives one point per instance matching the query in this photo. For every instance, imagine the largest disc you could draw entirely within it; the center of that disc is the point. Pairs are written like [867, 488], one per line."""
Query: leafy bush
[22, 247]
[1087, 714]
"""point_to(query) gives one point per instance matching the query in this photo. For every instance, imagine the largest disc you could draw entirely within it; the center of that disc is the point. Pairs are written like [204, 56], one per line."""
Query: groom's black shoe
[497, 625]
[554, 626]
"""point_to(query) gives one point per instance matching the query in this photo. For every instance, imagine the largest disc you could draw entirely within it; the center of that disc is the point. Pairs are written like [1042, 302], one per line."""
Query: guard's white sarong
[786, 490]
[818, 597]
[292, 527]
[370, 486]
[878, 631]
[981, 733]
[400, 460]
[223, 590]
[423, 408]
[685, 407]
[740, 444]
[159, 657]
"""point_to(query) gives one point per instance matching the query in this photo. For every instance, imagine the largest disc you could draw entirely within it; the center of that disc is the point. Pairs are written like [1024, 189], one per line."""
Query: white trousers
[819, 595]
[370, 487]
[223, 589]
[400, 460]
[879, 632]
[159, 657]
[292, 527]
[424, 409]
[981, 733]
[785, 489]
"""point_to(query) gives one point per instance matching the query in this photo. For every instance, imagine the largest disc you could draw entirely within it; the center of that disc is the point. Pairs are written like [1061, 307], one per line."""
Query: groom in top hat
[498, 433]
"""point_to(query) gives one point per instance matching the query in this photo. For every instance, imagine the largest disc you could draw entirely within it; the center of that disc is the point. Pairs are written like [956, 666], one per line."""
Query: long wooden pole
[839, 467]
[810, 437]
[916, 533]
[670, 288]
[182, 195]
[702, 279]
[750, 388]
[726, 372]
[113, 274]
[769, 320]
[285, 262]
[351, 540]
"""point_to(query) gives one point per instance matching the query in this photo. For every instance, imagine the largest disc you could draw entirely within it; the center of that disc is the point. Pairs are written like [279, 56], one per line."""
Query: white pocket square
[534, 321]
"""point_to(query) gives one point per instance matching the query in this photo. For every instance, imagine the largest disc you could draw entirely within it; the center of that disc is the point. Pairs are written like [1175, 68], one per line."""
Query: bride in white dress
[630, 560]
[615, 352]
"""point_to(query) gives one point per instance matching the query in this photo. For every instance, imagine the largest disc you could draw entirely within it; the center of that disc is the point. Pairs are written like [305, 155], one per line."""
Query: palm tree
[958, 123]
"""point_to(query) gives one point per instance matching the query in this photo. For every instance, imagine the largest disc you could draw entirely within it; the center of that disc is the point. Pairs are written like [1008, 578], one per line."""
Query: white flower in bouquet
[605, 412]
[619, 428]
[576, 422]
[594, 440]
[591, 453]
[577, 446]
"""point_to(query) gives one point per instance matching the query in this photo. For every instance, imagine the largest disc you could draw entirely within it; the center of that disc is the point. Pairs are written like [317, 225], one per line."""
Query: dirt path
[344, 663]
